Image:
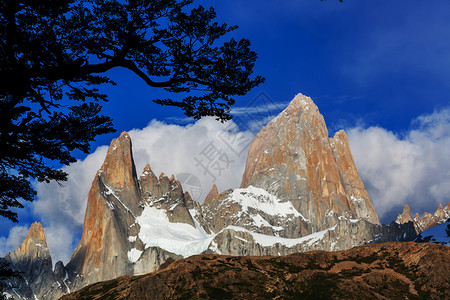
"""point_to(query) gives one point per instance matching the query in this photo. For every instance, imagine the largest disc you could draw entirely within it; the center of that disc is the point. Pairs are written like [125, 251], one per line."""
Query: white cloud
[168, 148]
[396, 170]
[413, 169]
[61, 242]
[66, 204]
[174, 149]
[16, 236]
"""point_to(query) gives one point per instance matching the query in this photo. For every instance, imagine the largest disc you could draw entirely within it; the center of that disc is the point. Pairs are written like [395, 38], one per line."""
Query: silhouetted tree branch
[53, 56]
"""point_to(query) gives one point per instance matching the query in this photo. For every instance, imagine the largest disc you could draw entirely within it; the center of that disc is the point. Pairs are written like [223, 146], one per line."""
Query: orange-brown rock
[383, 271]
[34, 244]
[293, 158]
[102, 251]
[405, 216]
[213, 193]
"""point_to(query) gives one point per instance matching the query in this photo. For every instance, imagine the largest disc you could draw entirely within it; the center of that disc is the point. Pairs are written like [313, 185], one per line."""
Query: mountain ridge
[301, 192]
[441, 215]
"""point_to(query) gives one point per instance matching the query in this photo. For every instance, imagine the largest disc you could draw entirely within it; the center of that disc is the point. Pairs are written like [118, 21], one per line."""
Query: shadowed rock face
[383, 271]
[32, 260]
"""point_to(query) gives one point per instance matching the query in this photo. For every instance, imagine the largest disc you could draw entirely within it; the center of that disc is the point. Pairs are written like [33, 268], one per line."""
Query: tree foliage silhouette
[53, 56]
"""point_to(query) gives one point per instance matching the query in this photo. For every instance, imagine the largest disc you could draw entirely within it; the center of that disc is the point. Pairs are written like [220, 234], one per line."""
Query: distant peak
[303, 102]
[406, 209]
[35, 237]
[212, 194]
[124, 135]
[405, 216]
[36, 232]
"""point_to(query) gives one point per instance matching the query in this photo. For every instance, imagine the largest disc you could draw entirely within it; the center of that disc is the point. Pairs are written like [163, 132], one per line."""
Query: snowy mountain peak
[293, 158]
[300, 191]
[441, 215]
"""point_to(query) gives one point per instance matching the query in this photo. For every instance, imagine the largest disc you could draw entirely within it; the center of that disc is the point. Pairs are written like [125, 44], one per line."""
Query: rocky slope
[382, 271]
[427, 221]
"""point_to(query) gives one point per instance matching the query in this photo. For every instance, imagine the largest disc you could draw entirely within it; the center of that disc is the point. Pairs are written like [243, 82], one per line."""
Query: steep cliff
[300, 192]
[110, 246]
[293, 158]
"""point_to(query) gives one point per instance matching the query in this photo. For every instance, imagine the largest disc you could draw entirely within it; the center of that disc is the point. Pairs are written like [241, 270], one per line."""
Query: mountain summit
[293, 158]
[300, 192]
[33, 262]
[440, 216]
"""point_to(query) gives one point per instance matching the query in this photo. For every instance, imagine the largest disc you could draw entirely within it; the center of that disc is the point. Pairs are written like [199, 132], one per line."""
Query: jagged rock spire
[34, 245]
[293, 158]
[212, 194]
[441, 215]
[405, 217]
[113, 203]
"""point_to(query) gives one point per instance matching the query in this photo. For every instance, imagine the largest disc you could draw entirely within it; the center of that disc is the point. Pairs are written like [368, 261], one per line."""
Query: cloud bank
[209, 151]
[16, 236]
[411, 169]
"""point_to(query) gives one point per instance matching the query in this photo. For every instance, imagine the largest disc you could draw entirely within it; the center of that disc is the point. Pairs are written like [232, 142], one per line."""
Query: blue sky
[383, 63]
[378, 69]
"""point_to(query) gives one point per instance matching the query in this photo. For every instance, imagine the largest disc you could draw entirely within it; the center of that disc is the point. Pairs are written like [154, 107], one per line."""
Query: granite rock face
[33, 263]
[297, 180]
[110, 245]
[293, 158]
[300, 192]
[427, 221]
